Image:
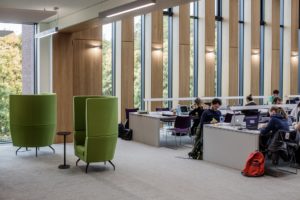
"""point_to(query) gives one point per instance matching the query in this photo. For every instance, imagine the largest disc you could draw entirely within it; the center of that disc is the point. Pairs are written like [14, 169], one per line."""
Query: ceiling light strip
[132, 9]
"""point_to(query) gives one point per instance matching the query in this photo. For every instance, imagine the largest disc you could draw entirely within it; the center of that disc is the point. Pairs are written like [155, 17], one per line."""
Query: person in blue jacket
[278, 121]
[209, 116]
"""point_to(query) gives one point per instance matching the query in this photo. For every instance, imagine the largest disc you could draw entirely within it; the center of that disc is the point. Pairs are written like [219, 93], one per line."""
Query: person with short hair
[277, 101]
[209, 116]
[275, 94]
[250, 102]
[278, 121]
[196, 113]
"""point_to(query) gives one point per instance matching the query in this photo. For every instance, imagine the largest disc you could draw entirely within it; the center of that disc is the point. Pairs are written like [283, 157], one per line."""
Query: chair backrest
[182, 122]
[129, 110]
[162, 109]
[32, 114]
[79, 110]
[101, 116]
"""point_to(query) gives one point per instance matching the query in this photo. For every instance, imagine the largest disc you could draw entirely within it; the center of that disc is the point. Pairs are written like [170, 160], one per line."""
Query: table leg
[64, 166]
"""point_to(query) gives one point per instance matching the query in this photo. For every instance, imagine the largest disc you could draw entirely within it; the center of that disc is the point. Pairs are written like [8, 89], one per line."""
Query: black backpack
[125, 134]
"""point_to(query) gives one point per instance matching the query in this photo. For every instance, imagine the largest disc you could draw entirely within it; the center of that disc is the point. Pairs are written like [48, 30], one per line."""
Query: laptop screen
[184, 109]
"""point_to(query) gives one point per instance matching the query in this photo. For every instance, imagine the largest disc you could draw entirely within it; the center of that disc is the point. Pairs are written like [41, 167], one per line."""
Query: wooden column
[294, 47]
[184, 50]
[127, 66]
[87, 62]
[157, 58]
[275, 44]
[63, 82]
[255, 39]
[210, 48]
[233, 49]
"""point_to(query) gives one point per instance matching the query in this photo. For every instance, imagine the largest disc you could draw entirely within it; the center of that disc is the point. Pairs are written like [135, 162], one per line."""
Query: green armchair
[32, 120]
[95, 128]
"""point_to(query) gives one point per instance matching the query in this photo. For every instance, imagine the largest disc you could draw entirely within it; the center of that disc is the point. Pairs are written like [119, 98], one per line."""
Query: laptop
[237, 120]
[252, 122]
[183, 110]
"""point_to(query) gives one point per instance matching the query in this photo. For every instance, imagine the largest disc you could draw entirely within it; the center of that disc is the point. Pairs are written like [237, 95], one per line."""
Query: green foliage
[10, 75]
[106, 67]
[137, 61]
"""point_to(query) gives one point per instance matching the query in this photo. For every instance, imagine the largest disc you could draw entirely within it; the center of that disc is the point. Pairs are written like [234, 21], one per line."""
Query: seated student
[278, 121]
[275, 94]
[277, 101]
[295, 112]
[250, 102]
[197, 113]
[209, 116]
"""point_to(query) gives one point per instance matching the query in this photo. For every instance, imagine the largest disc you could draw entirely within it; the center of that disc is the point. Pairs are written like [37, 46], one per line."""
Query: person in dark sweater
[210, 116]
[250, 102]
[278, 121]
[196, 113]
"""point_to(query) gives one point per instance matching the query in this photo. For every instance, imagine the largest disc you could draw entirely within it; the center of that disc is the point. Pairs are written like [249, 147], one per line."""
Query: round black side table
[65, 134]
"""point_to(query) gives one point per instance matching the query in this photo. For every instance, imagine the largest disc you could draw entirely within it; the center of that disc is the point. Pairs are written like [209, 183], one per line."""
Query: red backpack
[255, 165]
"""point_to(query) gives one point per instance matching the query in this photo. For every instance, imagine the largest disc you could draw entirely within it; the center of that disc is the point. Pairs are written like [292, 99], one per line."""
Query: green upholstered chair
[32, 120]
[95, 128]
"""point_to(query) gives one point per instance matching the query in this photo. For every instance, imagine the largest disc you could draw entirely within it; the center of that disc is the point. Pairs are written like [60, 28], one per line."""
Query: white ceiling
[66, 7]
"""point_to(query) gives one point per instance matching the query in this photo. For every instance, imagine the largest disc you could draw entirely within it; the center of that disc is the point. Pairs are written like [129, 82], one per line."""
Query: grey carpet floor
[142, 172]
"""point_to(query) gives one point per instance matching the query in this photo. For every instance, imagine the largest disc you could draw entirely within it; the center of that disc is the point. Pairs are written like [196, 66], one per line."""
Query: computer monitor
[182, 110]
[252, 122]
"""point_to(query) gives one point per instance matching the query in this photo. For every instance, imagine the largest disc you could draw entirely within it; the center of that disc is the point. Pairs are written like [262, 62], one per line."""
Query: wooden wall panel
[233, 50]
[233, 73]
[157, 58]
[128, 30]
[255, 38]
[127, 66]
[87, 71]
[184, 71]
[63, 82]
[209, 48]
[294, 47]
[275, 44]
[275, 69]
[89, 34]
[209, 23]
[157, 27]
[233, 23]
[184, 51]
[295, 24]
[184, 24]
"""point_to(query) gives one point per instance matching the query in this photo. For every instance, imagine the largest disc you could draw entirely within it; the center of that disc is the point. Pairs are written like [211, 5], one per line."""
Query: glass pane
[16, 68]
[137, 61]
[107, 59]
[165, 57]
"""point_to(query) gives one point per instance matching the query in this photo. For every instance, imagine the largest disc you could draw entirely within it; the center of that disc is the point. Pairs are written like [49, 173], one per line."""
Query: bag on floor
[255, 165]
[125, 134]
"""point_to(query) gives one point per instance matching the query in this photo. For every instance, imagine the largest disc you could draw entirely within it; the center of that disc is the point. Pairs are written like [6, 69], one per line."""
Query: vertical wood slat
[127, 66]
[294, 47]
[63, 82]
[255, 39]
[184, 51]
[87, 70]
[210, 46]
[233, 49]
[157, 58]
[275, 44]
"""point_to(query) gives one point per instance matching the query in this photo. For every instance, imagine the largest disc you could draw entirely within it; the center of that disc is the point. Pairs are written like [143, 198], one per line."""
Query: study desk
[146, 127]
[225, 145]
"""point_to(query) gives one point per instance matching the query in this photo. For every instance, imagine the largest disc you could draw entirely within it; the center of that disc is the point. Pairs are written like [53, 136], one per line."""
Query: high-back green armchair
[32, 120]
[95, 128]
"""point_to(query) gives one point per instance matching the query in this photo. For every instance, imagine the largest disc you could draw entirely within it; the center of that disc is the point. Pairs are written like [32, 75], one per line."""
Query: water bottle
[221, 119]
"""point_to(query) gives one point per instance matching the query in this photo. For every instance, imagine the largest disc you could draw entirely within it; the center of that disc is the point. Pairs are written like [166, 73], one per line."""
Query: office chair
[181, 128]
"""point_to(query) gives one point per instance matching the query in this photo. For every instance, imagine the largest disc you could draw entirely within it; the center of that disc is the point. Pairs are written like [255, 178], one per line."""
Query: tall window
[218, 45]
[16, 68]
[107, 60]
[167, 55]
[137, 61]
[194, 40]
